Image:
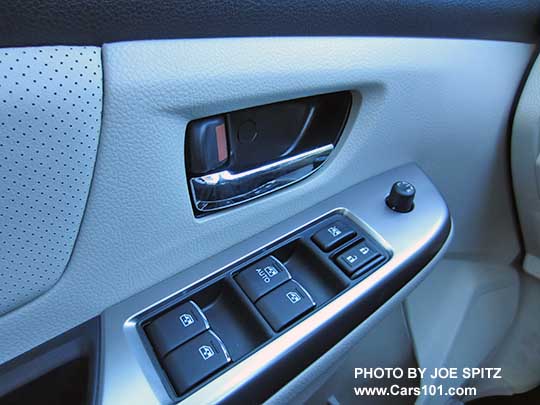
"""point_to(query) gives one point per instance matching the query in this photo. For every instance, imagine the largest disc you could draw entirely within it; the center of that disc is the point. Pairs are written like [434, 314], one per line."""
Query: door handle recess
[223, 189]
[241, 155]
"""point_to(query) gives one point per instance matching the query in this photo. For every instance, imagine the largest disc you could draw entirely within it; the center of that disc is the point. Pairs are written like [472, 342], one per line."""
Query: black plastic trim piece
[79, 343]
[85, 22]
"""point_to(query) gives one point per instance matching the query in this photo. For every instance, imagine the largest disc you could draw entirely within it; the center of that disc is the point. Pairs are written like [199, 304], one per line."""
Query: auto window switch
[356, 257]
[195, 360]
[285, 304]
[176, 326]
[262, 277]
[333, 235]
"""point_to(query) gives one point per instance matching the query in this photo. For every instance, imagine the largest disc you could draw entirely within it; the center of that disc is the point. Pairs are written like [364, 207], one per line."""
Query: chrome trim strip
[201, 314]
[224, 189]
[225, 351]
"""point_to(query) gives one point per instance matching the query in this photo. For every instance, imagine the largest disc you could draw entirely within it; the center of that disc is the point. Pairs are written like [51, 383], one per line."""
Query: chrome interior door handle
[224, 189]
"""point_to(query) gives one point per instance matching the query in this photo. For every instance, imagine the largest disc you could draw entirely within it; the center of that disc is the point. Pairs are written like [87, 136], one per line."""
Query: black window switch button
[195, 360]
[285, 304]
[357, 257]
[262, 277]
[176, 327]
[333, 235]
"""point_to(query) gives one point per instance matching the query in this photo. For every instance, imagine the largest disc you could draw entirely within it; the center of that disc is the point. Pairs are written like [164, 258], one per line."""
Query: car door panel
[152, 89]
[97, 220]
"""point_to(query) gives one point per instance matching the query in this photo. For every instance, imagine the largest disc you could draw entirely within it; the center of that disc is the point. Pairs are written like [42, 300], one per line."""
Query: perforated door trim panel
[50, 117]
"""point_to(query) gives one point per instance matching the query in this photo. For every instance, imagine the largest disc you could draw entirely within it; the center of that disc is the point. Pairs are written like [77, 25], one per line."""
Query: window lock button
[333, 235]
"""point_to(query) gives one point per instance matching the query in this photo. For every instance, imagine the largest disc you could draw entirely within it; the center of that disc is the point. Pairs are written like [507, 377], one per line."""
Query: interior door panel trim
[50, 119]
[141, 265]
[139, 213]
[84, 22]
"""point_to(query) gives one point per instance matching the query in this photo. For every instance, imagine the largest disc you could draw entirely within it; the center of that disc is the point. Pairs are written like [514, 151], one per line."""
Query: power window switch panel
[176, 326]
[333, 235]
[262, 277]
[195, 361]
[285, 305]
[356, 257]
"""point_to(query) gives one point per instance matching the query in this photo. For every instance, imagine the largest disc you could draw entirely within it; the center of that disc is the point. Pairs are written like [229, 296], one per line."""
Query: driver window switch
[262, 277]
[285, 304]
[195, 360]
[176, 326]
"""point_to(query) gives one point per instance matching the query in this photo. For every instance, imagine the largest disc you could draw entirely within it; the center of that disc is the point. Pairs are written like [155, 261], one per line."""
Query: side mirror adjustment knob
[401, 197]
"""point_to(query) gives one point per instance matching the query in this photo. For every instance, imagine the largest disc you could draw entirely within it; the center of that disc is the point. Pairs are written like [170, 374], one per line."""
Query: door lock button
[333, 235]
[176, 327]
[285, 304]
[356, 257]
[195, 360]
[262, 277]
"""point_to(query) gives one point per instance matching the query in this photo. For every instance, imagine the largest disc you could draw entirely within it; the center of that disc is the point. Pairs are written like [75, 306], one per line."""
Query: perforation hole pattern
[50, 116]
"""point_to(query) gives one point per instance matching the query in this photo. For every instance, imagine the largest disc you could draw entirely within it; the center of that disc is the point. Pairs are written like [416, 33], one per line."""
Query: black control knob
[401, 198]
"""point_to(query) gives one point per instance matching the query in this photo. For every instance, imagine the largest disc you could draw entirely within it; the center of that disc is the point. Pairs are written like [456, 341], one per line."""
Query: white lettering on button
[206, 352]
[364, 250]
[293, 296]
[186, 320]
[351, 258]
[267, 273]
[334, 231]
